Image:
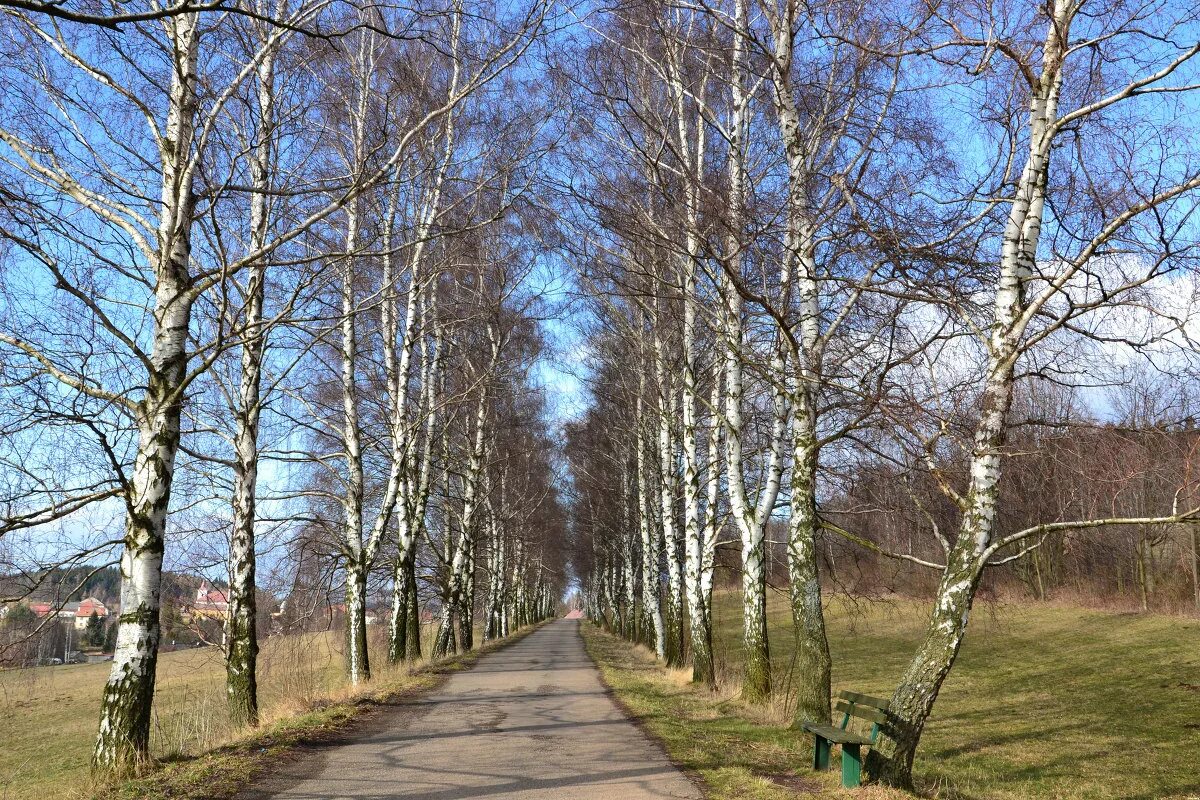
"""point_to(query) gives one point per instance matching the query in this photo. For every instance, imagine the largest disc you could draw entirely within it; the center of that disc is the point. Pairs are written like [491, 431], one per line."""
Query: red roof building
[210, 602]
[41, 609]
[84, 612]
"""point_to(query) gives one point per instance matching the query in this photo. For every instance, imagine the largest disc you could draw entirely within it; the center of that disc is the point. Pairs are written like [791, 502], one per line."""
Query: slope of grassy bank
[1045, 701]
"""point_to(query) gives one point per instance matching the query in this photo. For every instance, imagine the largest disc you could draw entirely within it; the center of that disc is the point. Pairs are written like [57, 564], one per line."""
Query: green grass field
[1045, 701]
[50, 713]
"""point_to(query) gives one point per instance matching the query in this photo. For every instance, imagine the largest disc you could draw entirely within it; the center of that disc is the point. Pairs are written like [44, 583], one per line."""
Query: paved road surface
[530, 721]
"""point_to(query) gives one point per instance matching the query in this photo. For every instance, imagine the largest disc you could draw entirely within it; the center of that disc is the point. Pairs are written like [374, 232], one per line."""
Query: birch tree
[1073, 74]
[691, 140]
[159, 258]
[835, 339]
[242, 622]
[751, 517]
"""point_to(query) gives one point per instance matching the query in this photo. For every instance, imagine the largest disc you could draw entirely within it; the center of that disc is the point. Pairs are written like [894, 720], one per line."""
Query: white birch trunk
[466, 603]
[692, 151]
[651, 605]
[496, 578]
[629, 589]
[813, 663]
[913, 699]
[241, 657]
[519, 586]
[712, 496]
[358, 668]
[673, 618]
[419, 493]
[458, 580]
[414, 480]
[400, 490]
[703, 670]
[750, 520]
[124, 734]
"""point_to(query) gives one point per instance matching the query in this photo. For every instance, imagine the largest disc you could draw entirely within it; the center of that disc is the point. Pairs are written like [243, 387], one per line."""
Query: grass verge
[739, 752]
[1045, 702]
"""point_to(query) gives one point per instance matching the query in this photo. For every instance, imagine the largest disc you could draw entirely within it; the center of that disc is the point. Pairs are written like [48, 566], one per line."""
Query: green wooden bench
[849, 704]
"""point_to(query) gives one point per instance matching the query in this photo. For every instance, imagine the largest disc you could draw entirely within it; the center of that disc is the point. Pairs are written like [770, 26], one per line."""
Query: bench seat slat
[835, 734]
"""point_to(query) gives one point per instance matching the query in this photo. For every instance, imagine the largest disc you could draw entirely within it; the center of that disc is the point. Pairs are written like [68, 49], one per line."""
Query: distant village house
[210, 602]
[78, 613]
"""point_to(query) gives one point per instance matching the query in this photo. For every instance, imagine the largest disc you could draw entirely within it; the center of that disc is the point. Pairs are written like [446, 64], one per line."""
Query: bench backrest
[862, 706]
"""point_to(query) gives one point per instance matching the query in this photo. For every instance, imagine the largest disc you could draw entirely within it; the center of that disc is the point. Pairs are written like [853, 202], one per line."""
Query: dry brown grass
[51, 712]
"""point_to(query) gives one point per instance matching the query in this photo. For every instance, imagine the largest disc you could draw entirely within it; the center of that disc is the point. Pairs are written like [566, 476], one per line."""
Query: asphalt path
[528, 721]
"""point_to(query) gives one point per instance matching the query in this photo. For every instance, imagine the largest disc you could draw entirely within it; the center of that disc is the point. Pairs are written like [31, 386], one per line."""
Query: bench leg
[821, 749]
[851, 765]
